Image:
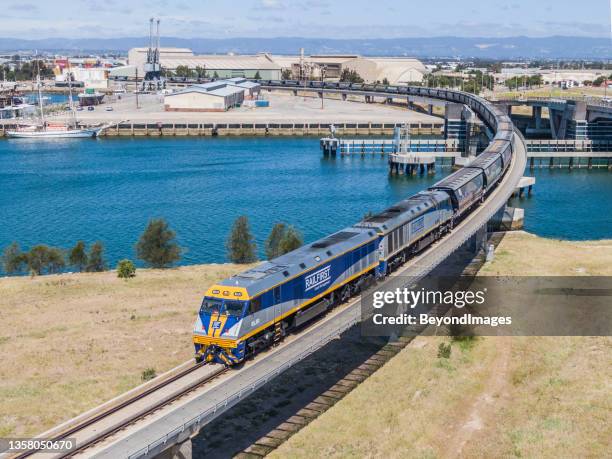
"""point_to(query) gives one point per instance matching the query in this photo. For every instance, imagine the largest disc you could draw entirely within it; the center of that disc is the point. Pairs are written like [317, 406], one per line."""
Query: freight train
[256, 308]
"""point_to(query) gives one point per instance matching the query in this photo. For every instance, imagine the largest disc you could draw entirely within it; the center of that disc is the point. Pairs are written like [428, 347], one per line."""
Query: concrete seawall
[259, 129]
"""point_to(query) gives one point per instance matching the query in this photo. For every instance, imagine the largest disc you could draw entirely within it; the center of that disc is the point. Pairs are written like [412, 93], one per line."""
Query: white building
[200, 99]
[214, 96]
[553, 76]
[397, 70]
[94, 78]
[217, 65]
[251, 88]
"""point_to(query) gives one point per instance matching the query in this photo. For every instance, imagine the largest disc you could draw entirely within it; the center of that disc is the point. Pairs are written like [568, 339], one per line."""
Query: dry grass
[555, 93]
[523, 254]
[501, 397]
[405, 408]
[71, 342]
[557, 401]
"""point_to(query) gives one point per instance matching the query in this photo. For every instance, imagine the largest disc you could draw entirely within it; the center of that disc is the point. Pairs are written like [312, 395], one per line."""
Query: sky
[32, 19]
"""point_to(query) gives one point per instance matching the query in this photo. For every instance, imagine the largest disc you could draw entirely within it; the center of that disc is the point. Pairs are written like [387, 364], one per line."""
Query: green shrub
[444, 351]
[126, 269]
[148, 374]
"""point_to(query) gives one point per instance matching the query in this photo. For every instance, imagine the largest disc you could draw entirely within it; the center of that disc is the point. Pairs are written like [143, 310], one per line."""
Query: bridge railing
[193, 425]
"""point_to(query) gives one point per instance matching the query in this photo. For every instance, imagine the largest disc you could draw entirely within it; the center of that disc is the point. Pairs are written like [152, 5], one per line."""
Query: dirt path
[479, 409]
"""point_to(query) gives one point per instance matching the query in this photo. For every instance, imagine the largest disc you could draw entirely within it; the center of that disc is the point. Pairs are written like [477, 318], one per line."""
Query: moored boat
[51, 130]
[36, 132]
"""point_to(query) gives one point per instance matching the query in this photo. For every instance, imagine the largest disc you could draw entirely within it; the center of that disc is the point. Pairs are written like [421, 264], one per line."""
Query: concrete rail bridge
[571, 118]
[143, 426]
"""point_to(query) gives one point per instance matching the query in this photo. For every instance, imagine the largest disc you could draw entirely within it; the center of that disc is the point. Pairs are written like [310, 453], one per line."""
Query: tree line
[157, 247]
[184, 71]
[524, 81]
[43, 259]
[24, 71]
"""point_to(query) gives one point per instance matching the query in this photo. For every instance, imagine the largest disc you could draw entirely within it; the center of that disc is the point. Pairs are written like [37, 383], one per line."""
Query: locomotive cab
[216, 327]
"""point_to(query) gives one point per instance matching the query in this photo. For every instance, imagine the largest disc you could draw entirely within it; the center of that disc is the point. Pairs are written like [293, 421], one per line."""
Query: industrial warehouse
[217, 65]
[395, 70]
[216, 96]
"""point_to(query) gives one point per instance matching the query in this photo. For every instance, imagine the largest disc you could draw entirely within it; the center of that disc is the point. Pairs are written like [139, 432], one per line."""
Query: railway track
[79, 430]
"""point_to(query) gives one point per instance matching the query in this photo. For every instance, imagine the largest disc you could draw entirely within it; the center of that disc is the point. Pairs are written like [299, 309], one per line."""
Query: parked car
[90, 108]
[109, 109]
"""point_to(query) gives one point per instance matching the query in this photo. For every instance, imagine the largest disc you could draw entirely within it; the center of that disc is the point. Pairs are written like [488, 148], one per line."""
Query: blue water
[574, 205]
[52, 97]
[56, 192]
[107, 189]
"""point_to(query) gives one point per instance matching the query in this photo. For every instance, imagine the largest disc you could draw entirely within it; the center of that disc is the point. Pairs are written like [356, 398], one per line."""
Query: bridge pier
[329, 145]
[182, 450]
[537, 115]
[430, 109]
[459, 124]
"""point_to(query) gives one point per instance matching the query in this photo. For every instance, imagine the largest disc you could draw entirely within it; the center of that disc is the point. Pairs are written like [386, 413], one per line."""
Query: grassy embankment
[70, 342]
[494, 397]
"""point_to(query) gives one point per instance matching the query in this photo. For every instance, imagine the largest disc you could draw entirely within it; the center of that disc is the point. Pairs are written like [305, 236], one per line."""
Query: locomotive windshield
[211, 306]
[234, 308]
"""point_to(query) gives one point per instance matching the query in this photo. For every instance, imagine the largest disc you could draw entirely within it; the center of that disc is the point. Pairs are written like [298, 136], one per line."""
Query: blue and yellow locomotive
[256, 308]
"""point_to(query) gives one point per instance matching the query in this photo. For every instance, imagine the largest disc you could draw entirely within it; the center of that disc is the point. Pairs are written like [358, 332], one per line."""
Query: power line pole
[136, 92]
[323, 70]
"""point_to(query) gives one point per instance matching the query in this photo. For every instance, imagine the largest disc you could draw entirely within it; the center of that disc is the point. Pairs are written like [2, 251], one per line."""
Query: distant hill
[500, 48]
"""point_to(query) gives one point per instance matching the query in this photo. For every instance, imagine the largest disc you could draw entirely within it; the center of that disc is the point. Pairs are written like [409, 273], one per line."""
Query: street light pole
[136, 92]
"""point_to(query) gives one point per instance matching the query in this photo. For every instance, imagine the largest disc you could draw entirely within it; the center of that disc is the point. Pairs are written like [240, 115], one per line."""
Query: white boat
[35, 132]
[46, 130]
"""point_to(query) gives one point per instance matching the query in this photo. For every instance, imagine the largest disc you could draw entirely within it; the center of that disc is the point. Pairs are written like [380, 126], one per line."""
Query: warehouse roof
[221, 62]
[221, 91]
[226, 91]
[212, 85]
[245, 84]
[236, 80]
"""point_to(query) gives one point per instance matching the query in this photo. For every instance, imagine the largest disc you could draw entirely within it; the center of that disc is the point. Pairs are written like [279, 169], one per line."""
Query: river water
[56, 192]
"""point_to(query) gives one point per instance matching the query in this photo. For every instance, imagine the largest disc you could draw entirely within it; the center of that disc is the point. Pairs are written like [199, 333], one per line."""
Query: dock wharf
[551, 154]
[157, 129]
[445, 148]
